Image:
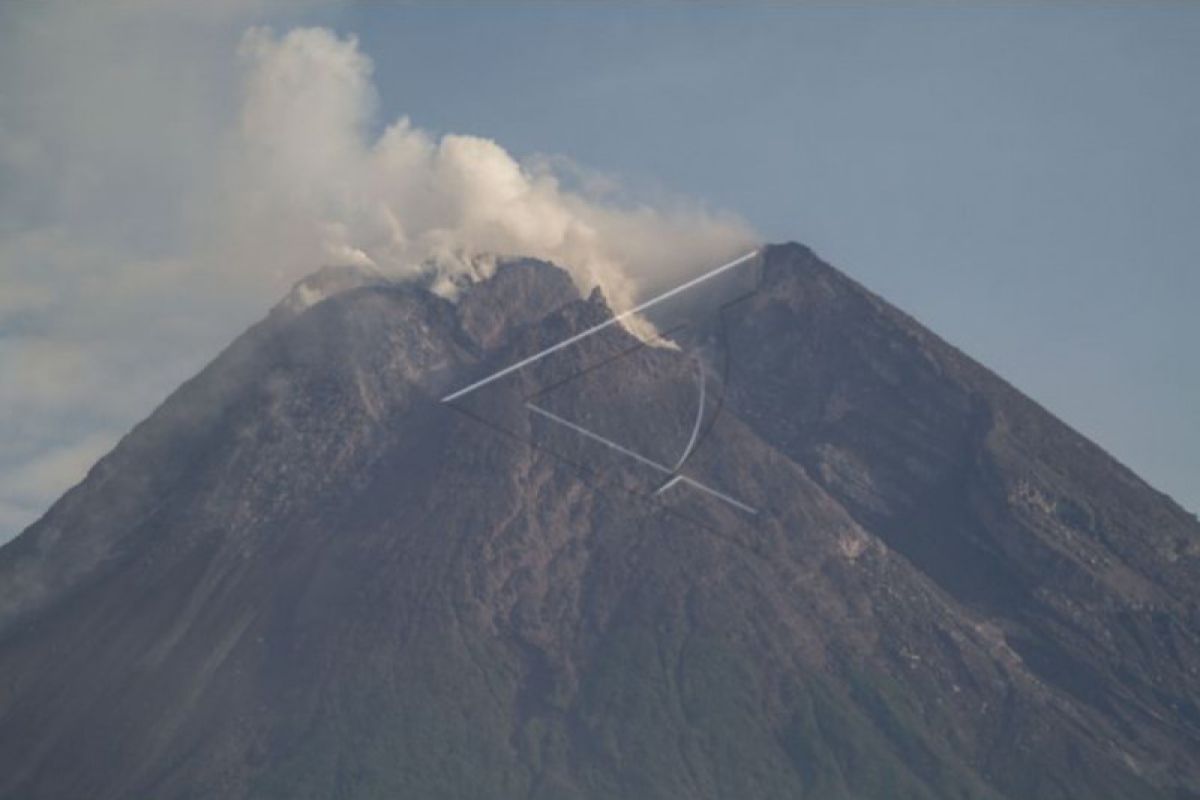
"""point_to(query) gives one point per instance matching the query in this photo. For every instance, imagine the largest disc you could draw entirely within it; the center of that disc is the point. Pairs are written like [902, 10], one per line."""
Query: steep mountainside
[877, 572]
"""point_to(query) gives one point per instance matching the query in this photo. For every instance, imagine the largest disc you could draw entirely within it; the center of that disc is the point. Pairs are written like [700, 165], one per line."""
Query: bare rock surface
[305, 576]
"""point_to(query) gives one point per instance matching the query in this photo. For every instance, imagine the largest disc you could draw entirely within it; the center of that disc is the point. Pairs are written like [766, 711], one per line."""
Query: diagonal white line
[598, 438]
[715, 493]
[669, 484]
[642, 459]
[595, 329]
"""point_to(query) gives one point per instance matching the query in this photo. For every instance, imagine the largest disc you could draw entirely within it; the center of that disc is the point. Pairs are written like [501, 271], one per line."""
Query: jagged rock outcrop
[305, 576]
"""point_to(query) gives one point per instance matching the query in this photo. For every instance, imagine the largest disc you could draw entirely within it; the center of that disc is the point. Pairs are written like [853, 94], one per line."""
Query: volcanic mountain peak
[307, 576]
[326, 282]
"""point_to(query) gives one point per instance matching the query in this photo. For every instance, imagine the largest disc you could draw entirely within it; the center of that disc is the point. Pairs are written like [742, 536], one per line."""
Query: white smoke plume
[309, 175]
[168, 171]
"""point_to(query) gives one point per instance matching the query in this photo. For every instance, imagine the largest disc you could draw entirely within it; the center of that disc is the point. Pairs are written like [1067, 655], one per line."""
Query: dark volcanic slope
[304, 577]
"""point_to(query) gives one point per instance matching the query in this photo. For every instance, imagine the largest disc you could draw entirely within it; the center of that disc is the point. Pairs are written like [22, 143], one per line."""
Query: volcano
[790, 545]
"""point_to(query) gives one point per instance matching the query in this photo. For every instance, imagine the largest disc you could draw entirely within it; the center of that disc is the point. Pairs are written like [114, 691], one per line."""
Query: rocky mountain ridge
[306, 576]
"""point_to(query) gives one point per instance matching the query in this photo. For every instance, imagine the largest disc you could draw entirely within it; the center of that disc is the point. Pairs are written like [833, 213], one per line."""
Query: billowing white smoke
[310, 185]
[158, 191]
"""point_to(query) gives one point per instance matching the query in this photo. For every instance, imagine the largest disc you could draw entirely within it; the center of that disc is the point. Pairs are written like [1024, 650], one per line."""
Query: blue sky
[1025, 180]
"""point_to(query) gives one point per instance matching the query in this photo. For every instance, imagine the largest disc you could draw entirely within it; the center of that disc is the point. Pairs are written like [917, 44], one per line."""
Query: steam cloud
[167, 172]
[309, 174]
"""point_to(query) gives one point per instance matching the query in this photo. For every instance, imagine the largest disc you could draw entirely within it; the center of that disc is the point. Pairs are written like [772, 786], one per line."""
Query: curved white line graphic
[687, 451]
[675, 478]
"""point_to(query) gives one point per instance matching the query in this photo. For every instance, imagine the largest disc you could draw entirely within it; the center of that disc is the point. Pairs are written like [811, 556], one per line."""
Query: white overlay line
[675, 478]
[598, 438]
[610, 321]
[668, 484]
[698, 485]
[696, 427]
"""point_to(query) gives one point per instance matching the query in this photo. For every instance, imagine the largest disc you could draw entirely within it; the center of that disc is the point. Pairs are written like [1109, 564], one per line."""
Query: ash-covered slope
[304, 576]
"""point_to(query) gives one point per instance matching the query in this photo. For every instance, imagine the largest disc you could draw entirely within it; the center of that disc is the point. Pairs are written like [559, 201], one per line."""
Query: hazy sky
[1024, 180]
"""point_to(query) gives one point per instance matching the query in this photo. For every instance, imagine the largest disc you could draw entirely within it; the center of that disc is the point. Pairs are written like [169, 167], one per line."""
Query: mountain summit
[800, 549]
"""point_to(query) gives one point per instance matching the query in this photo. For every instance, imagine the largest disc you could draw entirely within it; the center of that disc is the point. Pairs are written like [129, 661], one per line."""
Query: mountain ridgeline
[878, 570]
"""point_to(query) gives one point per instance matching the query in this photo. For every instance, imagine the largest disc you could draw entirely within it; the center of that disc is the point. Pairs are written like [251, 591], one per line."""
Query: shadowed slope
[304, 576]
